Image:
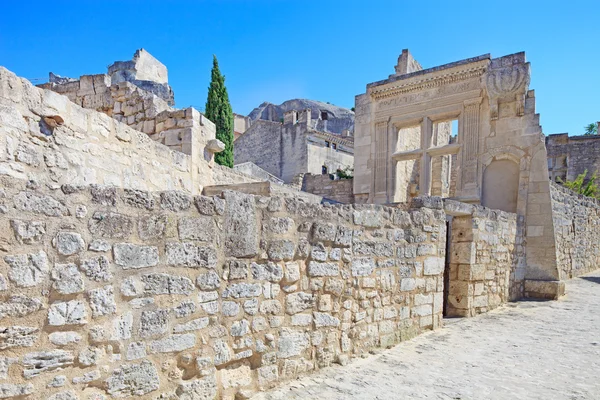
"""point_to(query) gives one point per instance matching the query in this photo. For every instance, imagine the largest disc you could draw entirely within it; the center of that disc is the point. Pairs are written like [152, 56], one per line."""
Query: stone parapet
[340, 190]
[128, 293]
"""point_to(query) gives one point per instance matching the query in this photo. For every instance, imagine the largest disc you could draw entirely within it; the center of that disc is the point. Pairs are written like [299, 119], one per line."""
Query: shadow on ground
[595, 279]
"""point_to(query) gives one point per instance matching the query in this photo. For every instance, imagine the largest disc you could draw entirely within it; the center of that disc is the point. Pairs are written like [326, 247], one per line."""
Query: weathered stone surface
[167, 284]
[110, 225]
[317, 269]
[97, 269]
[90, 356]
[57, 381]
[362, 266]
[130, 256]
[102, 301]
[19, 306]
[175, 201]
[104, 195]
[279, 225]
[208, 281]
[64, 338]
[43, 361]
[324, 319]
[153, 323]
[122, 326]
[271, 272]
[188, 254]
[67, 313]
[152, 226]
[237, 270]
[173, 343]
[298, 302]
[292, 343]
[193, 325]
[17, 336]
[185, 308]
[69, 243]
[9, 390]
[323, 232]
[241, 290]
[138, 199]
[67, 279]
[27, 270]
[68, 395]
[133, 380]
[135, 351]
[240, 225]
[198, 389]
[40, 204]
[99, 245]
[223, 353]
[5, 363]
[28, 232]
[281, 250]
[201, 228]
[292, 272]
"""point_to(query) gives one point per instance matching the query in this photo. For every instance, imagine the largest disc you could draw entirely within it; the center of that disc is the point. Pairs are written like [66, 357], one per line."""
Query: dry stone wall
[111, 293]
[486, 260]
[577, 231]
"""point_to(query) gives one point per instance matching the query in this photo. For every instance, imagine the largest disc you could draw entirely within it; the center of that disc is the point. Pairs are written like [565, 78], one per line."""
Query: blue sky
[322, 50]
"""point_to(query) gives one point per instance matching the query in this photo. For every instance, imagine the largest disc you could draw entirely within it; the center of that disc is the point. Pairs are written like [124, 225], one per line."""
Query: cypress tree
[218, 110]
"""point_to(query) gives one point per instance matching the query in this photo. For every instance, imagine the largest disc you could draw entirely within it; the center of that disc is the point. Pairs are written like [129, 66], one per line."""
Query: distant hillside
[338, 118]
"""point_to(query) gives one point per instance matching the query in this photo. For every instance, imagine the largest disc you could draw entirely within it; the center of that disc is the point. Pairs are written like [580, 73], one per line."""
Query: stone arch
[500, 189]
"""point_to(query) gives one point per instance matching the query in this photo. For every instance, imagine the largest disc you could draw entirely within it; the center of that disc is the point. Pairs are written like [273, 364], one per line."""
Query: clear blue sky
[322, 50]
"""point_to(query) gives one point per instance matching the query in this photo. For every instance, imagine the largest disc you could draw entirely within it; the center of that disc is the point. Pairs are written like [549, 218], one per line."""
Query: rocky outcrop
[338, 118]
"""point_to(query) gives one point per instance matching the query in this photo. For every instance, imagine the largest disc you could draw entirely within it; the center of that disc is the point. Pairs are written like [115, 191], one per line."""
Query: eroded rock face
[27, 270]
[39, 362]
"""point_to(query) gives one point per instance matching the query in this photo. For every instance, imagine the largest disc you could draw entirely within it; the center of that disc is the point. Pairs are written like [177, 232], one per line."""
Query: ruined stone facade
[291, 148]
[501, 159]
[339, 190]
[569, 156]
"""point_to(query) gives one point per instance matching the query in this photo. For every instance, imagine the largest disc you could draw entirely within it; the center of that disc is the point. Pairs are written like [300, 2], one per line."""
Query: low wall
[577, 231]
[46, 138]
[162, 295]
[487, 259]
[340, 190]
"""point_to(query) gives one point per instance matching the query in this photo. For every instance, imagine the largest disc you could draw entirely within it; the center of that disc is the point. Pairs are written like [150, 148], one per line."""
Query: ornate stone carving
[508, 79]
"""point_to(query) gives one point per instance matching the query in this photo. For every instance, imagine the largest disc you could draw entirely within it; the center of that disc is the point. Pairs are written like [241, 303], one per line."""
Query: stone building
[293, 147]
[569, 156]
[500, 154]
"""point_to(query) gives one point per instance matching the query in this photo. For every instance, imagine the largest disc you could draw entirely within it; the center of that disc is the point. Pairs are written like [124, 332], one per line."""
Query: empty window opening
[324, 170]
[327, 144]
[324, 115]
[334, 146]
[444, 132]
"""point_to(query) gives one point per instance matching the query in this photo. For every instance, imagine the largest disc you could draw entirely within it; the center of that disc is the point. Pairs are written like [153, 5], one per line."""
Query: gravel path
[527, 350]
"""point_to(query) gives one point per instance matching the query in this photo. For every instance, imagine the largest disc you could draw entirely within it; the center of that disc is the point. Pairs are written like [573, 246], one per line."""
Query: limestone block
[133, 380]
[240, 225]
[27, 270]
[28, 232]
[102, 301]
[281, 250]
[19, 306]
[292, 343]
[175, 201]
[17, 336]
[97, 269]
[433, 266]
[318, 269]
[153, 323]
[362, 266]
[202, 229]
[298, 302]
[463, 253]
[215, 146]
[110, 225]
[71, 312]
[187, 254]
[197, 389]
[67, 279]
[39, 204]
[167, 284]
[193, 325]
[39, 362]
[270, 271]
[173, 344]
[9, 390]
[64, 338]
[131, 256]
[242, 290]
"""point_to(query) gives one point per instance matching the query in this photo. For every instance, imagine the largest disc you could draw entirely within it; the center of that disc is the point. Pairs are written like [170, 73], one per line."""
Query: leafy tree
[580, 186]
[218, 110]
[591, 129]
[345, 173]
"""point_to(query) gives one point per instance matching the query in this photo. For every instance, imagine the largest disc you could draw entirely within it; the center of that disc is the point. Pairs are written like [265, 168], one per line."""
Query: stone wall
[51, 141]
[132, 294]
[486, 260]
[577, 232]
[339, 190]
[569, 156]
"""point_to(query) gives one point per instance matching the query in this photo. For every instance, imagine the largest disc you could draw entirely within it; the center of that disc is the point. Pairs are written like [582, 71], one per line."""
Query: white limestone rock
[67, 313]
[64, 338]
[43, 361]
[133, 380]
[131, 256]
[67, 279]
[102, 301]
[19, 306]
[27, 270]
[68, 243]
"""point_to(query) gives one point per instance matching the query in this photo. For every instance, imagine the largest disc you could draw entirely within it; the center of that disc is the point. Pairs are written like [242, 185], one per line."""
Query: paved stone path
[526, 350]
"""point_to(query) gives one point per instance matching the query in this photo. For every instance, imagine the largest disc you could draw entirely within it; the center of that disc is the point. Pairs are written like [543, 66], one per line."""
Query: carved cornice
[427, 82]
